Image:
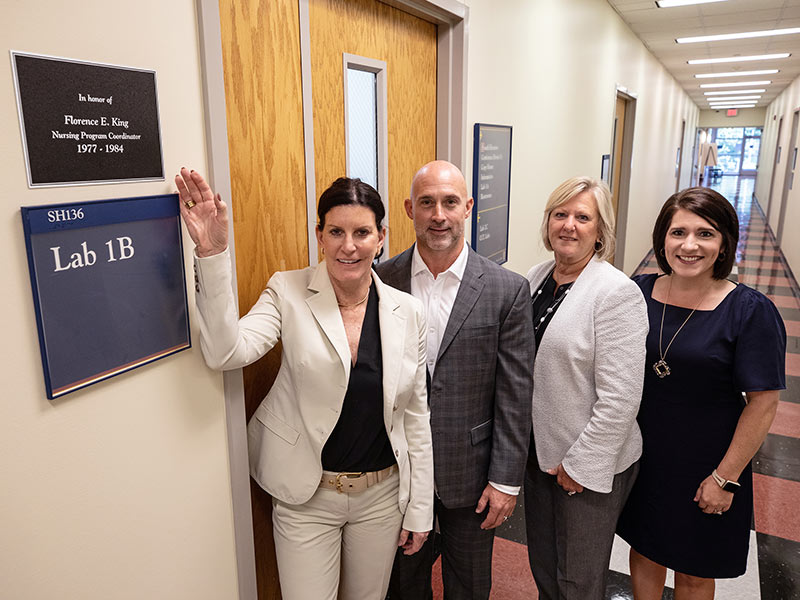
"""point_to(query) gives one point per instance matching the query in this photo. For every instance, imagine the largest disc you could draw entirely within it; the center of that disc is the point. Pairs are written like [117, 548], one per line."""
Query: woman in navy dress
[715, 363]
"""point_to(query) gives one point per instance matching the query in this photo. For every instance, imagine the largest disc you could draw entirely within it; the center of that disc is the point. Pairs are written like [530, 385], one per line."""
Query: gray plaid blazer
[481, 390]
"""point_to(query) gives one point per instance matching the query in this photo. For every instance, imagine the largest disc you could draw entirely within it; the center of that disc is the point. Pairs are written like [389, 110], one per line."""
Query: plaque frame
[60, 347]
[478, 129]
[24, 137]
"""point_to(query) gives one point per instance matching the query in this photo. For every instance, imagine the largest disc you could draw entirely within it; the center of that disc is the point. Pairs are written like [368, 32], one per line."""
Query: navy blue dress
[688, 419]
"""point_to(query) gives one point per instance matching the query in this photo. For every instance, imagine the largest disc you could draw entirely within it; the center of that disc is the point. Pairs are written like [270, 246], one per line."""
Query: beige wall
[550, 69]
[746, 117]
[120, 490]
[783, 106]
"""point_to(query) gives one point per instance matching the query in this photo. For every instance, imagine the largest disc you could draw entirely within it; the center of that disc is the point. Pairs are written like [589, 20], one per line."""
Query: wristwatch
[725, 484]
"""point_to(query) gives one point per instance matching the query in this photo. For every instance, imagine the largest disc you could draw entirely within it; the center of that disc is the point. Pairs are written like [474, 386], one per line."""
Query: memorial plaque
[491, 189]
[109, 287]
[86, 123]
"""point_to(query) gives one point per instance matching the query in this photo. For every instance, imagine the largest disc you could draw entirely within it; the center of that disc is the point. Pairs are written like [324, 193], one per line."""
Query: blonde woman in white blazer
[342, 441]
[590, 324]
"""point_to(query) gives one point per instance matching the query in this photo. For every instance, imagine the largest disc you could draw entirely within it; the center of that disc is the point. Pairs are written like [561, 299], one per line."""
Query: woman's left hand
[565, 481]
[411, 541]
[711, 498]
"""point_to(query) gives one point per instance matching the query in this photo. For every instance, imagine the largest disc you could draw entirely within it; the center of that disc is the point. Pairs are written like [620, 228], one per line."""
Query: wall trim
[219, 176]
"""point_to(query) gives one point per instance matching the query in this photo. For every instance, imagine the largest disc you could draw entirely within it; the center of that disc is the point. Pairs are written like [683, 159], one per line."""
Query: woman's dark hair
[346, 191]
[714, 208]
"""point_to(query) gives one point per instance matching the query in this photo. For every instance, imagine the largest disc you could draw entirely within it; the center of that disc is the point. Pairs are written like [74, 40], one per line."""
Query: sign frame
[478, 130]
[24, 135]
[157, 211]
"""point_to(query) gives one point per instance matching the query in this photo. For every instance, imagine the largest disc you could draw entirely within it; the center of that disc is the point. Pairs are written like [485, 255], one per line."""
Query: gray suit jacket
[480, 393]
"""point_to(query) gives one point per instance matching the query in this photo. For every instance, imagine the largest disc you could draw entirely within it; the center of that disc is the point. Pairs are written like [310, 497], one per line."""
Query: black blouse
[550, 297]
[359, 441]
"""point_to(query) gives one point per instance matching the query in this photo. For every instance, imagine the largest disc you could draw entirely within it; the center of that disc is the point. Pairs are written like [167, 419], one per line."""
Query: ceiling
[658, 28]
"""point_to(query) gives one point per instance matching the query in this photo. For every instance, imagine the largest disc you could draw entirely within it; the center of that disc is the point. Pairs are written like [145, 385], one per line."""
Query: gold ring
[190, 203]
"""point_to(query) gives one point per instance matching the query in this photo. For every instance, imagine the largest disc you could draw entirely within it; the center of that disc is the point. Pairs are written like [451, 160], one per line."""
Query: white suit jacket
[588, 376]
[292, 424]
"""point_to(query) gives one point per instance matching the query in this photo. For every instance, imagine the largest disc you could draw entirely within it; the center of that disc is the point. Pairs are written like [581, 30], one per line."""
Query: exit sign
[732, 112]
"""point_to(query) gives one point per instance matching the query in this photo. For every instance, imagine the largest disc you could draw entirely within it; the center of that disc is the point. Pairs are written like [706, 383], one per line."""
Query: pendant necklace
[556, 301]
[661, 367]
[360, 302]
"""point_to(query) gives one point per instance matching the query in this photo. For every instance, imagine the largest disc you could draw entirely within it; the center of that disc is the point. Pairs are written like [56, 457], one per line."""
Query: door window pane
[751, 148]
[362, 125]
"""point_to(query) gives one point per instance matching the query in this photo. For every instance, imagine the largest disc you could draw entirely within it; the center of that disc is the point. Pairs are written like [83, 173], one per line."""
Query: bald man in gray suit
[480, 361]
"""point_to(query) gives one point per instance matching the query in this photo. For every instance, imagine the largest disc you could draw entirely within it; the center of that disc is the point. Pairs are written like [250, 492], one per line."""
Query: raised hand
[205, 214]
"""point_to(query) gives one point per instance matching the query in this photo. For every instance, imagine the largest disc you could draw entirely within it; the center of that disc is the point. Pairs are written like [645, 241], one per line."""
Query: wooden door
[263, 95]
[408, 46]
[264, 103]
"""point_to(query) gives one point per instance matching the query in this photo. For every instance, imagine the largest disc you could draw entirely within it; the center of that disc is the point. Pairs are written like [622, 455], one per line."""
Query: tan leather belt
[347, 483]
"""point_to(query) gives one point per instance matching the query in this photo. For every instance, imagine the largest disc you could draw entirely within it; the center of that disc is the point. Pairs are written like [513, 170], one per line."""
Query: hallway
[774, 562]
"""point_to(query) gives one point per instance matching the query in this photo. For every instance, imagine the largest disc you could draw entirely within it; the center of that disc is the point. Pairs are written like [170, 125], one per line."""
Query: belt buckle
[351, 475]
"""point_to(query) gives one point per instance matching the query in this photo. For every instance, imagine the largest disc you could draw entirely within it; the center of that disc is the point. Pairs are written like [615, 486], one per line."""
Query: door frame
[452, 20]
[776, 160]
[623, 170]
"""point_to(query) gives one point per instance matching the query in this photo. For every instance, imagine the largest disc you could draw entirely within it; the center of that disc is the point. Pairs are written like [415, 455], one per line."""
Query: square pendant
[661, 368]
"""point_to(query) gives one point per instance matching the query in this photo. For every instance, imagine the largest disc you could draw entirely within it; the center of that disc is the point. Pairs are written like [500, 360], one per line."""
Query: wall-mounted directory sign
[491, 189]
[87, 123]
[109, 287]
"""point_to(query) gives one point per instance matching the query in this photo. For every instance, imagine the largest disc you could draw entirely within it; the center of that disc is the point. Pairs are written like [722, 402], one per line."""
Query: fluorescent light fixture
[674, 3]
[733, 98]
[741, 104]
[729, 59]
[735, 84]
[737, 36]
[736, 73]
[730, 92]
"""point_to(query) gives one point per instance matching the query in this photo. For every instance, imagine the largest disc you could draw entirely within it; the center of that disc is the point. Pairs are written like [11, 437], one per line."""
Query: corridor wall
[783, 106]
[550, 69]
[746, 117]
[120, 490]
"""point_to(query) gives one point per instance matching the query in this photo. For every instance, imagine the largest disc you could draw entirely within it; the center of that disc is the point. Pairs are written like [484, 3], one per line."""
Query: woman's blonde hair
[604, 249]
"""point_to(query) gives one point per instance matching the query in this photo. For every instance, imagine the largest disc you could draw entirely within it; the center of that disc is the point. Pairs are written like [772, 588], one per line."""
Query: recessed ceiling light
[753, 102]
[729, 92]
[727, 59]
[733, 98]
[736, 73]
[732, 106]
[673, 3]
[733, 84]
[737, 36]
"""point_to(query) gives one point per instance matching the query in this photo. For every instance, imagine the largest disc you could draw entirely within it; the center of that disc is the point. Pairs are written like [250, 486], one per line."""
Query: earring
[661, 252]
[598, 245]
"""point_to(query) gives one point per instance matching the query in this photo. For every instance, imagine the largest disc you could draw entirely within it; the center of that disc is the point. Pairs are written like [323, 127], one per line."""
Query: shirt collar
[457, 269]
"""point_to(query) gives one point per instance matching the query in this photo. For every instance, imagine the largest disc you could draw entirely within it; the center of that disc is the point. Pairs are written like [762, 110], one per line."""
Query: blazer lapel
[401, 274]
[393, 336]
[468, 293]
[325, 309]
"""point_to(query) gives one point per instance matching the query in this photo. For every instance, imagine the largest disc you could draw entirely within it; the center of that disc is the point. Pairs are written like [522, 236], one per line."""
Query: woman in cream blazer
[336, 533]
[590, 324]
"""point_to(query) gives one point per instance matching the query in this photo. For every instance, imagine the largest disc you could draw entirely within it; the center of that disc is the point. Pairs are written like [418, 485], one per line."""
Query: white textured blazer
[292, 424]
[588, 376]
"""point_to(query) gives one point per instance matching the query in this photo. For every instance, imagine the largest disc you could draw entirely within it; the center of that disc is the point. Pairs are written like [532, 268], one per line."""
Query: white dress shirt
[438, 294]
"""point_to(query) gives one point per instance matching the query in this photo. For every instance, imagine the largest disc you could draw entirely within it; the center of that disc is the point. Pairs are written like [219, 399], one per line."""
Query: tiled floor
[773, 571]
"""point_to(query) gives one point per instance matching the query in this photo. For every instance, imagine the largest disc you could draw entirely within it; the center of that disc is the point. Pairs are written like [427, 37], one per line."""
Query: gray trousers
[570, 537]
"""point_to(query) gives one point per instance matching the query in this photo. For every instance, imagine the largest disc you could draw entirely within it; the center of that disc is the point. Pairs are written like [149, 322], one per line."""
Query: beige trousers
[338, 545]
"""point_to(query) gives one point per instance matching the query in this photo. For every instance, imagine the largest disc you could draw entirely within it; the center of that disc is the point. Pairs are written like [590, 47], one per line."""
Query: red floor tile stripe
[792, 327]
[511, 574]
[765, 280]
[775, 506]
[793, 364]
[785, 301]
[787, 419]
